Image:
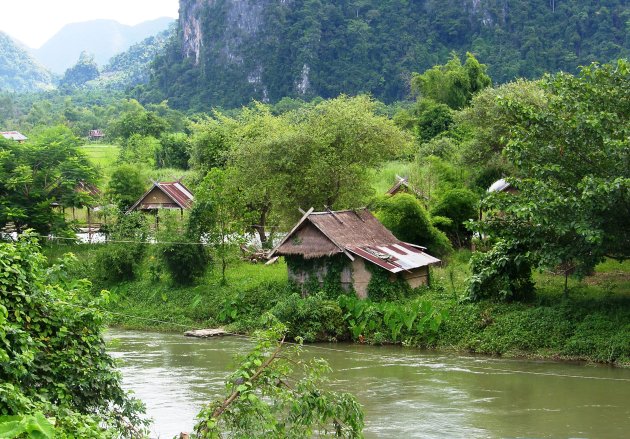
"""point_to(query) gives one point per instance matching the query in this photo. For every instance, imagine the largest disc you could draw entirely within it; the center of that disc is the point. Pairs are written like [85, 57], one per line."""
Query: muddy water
[405, 392]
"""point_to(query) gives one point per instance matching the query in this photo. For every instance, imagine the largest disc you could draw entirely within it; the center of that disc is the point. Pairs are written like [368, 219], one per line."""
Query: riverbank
[592, 324]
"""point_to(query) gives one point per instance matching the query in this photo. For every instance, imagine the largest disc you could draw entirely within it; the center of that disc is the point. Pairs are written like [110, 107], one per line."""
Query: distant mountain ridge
[19, 72]
[101, 38]
[131, 67]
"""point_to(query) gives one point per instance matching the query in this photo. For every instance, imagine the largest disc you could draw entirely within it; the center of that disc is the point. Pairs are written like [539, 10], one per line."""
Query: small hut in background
[95, 135]
[164, 195]
[360, 241]
[402, 186]
[502, 185]
[13, 135]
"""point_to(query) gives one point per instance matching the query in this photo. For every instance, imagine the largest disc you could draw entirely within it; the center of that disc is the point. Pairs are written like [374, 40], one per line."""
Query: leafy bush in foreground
[54, 370]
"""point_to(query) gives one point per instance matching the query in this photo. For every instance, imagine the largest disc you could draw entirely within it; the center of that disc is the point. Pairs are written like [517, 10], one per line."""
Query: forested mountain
[19, 72]
[230, 51]
[101, 38]
[131, 67]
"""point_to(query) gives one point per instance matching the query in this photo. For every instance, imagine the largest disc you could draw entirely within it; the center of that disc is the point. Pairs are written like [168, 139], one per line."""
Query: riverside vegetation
[549, 277]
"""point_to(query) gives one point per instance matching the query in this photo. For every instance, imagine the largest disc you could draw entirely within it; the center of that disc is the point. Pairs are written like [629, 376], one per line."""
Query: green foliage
[276, 394]
[182, 252]
[313, 318]
[83, 71]
[452, 84]
[140, 150]
[572, 209]
[415, 322]
[120, 261]
[210, 143]
[323, 274]
[137, 120]
[373, 46]
[459, 206]
[56, 378]
[31, 425]
[382, 288]
[488, 122]
[504, 273]
[219, 216]
[19, 72]
[35, 174]
[131, 68]
[126, 185]
[173, 151]
[405, 217]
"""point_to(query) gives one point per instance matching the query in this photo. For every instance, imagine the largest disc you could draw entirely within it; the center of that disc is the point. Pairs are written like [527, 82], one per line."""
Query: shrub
[408, 220]
[460, 206]
[185, 262]
[116, 262]
[504, 273]
[313, 318]
[52, 355]
[126, 185]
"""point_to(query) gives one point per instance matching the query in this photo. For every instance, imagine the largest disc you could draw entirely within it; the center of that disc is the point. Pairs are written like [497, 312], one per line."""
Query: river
[405, 392]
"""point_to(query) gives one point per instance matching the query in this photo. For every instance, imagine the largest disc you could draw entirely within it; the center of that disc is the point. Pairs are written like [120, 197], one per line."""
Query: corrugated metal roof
[13, 135]
[499, 186]
[396, 257]
[178, 192]
[175, 190]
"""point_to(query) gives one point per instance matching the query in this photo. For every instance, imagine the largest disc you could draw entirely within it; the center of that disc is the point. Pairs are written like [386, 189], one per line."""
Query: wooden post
[89, 222]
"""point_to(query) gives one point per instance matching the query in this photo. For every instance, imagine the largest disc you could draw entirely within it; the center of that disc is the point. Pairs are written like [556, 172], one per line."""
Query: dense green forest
[227, 53]
[19, 72]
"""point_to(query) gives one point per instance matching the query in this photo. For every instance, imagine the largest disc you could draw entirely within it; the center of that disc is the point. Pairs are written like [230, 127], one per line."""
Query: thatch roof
[402, 185]
[353, 233]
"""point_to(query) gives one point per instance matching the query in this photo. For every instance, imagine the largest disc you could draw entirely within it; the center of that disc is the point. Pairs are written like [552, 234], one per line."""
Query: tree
[460, 206]
[126, 185]
[36, 174]
[275, 393]
[318, 157]
[573, 205]
[452, 84]
[408, 221]
[219, 216]
[54, 367]
[173, 151]
[489, 121]
[83, 71]
[137, 120]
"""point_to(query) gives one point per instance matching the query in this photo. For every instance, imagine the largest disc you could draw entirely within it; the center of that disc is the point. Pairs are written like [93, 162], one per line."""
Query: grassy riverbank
[592, 324]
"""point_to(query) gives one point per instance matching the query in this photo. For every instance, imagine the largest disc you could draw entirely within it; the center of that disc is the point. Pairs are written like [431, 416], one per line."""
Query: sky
[33, 22]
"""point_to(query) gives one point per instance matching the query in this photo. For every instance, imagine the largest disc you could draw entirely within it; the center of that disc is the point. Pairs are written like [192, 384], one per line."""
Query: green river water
[405, 392]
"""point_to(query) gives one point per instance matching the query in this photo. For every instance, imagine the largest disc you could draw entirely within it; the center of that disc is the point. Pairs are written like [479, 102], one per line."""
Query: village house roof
[13, 135]
[353, 233]
[88, 188]
[179, 195]
[96, 133]
[402, 185]
[499, 186]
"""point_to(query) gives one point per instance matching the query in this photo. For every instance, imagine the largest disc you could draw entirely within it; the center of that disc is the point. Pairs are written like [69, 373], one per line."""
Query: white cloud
[33, 22]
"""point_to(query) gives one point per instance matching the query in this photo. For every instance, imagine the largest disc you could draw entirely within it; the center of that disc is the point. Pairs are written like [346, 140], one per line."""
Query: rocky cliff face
[231, 51]
[242, 19]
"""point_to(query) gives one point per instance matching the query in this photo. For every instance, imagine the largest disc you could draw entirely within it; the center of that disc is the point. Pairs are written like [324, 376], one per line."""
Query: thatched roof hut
[402, 186]
[359, 237]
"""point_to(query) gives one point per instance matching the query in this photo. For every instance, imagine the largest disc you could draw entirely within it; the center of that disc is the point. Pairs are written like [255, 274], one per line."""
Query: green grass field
[102, 155]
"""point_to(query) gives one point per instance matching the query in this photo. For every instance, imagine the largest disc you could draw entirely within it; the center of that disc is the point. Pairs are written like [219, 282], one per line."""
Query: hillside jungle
[540, 271]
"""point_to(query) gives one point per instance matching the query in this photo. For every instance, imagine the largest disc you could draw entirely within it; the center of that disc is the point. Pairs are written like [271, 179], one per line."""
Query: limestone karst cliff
[228, 52]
